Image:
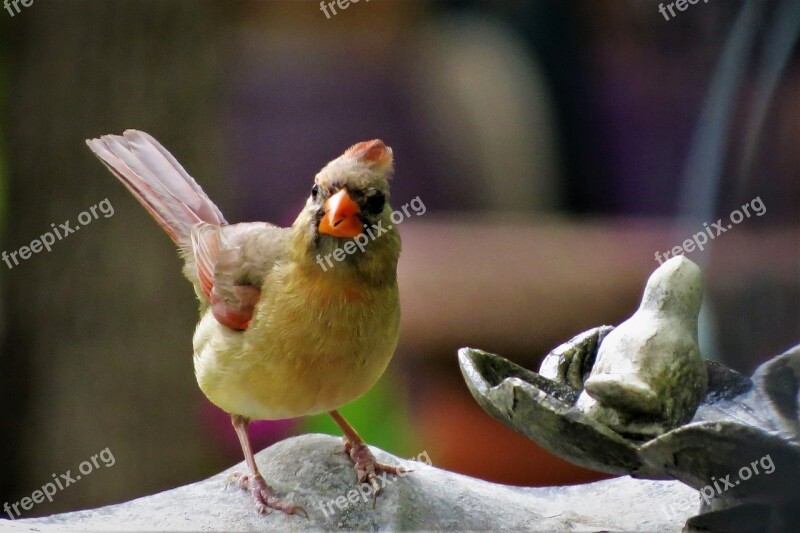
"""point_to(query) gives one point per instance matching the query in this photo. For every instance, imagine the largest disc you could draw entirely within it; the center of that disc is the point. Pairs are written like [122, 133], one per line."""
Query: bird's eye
[375, 203]
[314, 191]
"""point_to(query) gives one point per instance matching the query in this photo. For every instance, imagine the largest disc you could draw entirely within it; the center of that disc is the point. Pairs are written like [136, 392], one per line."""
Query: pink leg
[263, 497]
[366, 466]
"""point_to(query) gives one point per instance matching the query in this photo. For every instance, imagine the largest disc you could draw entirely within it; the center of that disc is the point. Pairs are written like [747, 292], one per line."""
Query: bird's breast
[314, 344]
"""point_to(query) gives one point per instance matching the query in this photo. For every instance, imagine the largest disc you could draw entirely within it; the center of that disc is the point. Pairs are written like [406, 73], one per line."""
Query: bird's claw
[368, 469]
[262, 494]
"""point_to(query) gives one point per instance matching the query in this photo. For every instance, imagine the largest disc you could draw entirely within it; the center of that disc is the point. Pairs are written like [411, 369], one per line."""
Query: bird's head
[349, 202]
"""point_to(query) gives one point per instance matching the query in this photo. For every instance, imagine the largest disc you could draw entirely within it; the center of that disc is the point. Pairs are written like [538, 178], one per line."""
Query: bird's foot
[262, 494]
[368, 469]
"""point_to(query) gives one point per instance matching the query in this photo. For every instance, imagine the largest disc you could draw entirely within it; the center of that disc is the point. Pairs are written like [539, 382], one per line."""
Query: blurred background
[557, 146]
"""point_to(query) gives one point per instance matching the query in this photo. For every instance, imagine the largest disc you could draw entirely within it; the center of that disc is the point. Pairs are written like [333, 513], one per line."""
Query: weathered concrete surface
[316, 470]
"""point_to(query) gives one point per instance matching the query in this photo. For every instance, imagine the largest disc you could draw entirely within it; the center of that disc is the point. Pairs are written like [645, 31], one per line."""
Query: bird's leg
[367, 468]
[262, 494]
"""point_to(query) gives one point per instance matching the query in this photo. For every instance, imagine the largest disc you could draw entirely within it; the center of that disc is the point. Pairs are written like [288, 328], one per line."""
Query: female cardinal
[279, 336]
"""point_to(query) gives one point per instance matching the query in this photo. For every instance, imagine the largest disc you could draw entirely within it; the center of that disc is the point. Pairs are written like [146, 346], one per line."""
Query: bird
[282, 334]
[650, 374]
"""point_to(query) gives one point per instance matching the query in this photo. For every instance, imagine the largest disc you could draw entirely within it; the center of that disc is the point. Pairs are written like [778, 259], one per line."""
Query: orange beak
[341, 216]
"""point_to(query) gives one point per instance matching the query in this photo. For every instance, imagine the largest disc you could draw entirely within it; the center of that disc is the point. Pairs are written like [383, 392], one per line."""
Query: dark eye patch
[375, 203]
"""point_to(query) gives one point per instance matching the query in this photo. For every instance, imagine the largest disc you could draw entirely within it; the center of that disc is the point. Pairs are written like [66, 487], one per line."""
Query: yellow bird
[282, 332]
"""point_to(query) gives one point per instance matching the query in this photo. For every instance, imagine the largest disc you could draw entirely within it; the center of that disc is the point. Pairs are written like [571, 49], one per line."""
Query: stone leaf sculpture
[612, 402]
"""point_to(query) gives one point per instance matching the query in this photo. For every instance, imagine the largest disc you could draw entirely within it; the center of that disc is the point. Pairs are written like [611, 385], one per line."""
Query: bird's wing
[232, 263]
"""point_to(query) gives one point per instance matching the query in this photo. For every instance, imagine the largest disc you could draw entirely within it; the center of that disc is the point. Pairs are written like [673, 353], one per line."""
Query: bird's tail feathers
[159, 182]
